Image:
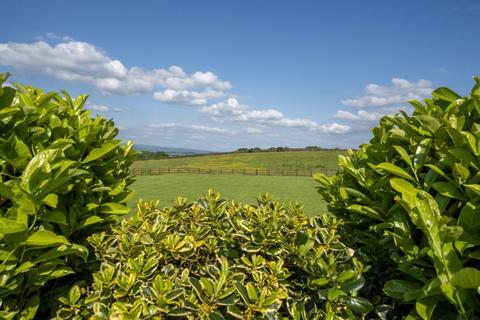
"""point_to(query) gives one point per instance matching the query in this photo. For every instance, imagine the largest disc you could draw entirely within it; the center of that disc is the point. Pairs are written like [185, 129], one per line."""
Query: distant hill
[169, 150]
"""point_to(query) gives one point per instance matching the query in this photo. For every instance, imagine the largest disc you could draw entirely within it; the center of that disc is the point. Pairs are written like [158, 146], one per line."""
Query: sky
[221, 75]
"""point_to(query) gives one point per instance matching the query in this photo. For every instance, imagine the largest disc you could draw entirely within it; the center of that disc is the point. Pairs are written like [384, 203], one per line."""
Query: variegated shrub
[214, 259]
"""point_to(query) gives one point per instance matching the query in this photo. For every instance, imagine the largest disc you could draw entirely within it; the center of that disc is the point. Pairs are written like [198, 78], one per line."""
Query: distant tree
[149, 155]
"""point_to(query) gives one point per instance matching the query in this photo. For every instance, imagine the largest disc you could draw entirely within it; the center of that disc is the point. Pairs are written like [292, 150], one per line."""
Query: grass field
[308, 160]
[240, 188]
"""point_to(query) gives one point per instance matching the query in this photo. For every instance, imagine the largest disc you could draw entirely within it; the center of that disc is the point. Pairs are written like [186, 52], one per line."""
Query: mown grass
[241, 188]
[304, 160]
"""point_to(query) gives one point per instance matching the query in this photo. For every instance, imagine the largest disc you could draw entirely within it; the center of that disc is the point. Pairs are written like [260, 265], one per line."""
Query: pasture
[241, 188]
[302, 160]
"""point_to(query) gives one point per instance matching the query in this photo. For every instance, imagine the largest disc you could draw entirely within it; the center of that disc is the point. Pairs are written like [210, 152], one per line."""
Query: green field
[303, 160]
[238, 187]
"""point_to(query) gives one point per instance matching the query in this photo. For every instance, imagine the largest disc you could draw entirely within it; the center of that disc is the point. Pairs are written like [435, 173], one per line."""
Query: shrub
[63, 176]
[411, 203]
[211, 259]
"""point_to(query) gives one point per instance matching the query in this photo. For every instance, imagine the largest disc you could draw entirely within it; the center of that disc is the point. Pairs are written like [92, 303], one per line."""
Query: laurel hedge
[410, 200]
[63, 177]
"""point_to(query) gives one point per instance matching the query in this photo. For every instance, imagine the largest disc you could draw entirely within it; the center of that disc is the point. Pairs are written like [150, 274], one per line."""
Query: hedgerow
[411, 204]
[63, 177]
[211, 259]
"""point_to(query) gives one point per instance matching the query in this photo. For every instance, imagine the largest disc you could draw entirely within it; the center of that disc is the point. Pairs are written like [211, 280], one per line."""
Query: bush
[211, 259]
[63, 176]
[150, 155]
[411, 204]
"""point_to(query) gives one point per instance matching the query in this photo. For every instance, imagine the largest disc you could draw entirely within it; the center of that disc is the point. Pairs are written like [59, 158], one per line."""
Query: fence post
[244, 171]
[168, 170]
[296, 172]
[256, 172]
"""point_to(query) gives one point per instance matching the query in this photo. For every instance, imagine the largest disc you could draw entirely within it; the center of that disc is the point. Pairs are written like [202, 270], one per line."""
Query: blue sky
[220, 75]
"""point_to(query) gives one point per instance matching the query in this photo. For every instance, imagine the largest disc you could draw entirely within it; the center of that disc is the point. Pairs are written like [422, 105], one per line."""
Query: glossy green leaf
[8, 226]
[346, 275]
[113, 208]
[359, 305]
[404, 154]
[98, 153]
[448, 189]
[51, 200]
[393, 169]
[55, 216]
[45, 238]
[63, 250]
[446, 94]
[425, 307]
[74, 294]
[399, 289]
[467, 278]
[367, 211]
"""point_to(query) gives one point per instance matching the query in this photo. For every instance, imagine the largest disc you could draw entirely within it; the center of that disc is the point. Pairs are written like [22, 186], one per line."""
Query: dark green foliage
[63, 176]
[411, 202]
[212, 259]
[150, 155]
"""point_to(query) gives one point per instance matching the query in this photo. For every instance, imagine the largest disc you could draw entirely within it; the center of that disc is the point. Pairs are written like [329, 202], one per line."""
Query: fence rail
[231, 171]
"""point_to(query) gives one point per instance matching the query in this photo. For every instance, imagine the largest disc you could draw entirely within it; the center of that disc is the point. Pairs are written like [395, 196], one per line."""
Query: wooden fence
[231, 171]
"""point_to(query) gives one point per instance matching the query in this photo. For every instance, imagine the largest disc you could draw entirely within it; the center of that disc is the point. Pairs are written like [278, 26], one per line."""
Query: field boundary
[232, 171]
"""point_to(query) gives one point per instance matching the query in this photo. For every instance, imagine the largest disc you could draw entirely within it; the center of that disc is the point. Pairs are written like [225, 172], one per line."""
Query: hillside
[169, 150]
[308, 160]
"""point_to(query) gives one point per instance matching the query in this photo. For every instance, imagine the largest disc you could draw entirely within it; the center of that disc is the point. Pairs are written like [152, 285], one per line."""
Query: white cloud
[185, 97]
[200, 128]
[54, 36]
[399, 92]
[230, 107]
[333, 128]
[76, 61]
[83, 62]
[198, 137]
[183, 128]
[233, 110]
[361, 115]
[252, 130]
[104, 108]
[97, 107]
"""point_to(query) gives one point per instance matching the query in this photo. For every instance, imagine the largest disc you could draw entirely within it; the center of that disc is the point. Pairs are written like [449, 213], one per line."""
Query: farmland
[243, 188]
[302, 160]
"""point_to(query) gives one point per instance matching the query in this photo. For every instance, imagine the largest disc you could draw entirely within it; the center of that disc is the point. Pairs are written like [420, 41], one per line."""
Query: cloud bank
[83, 62]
